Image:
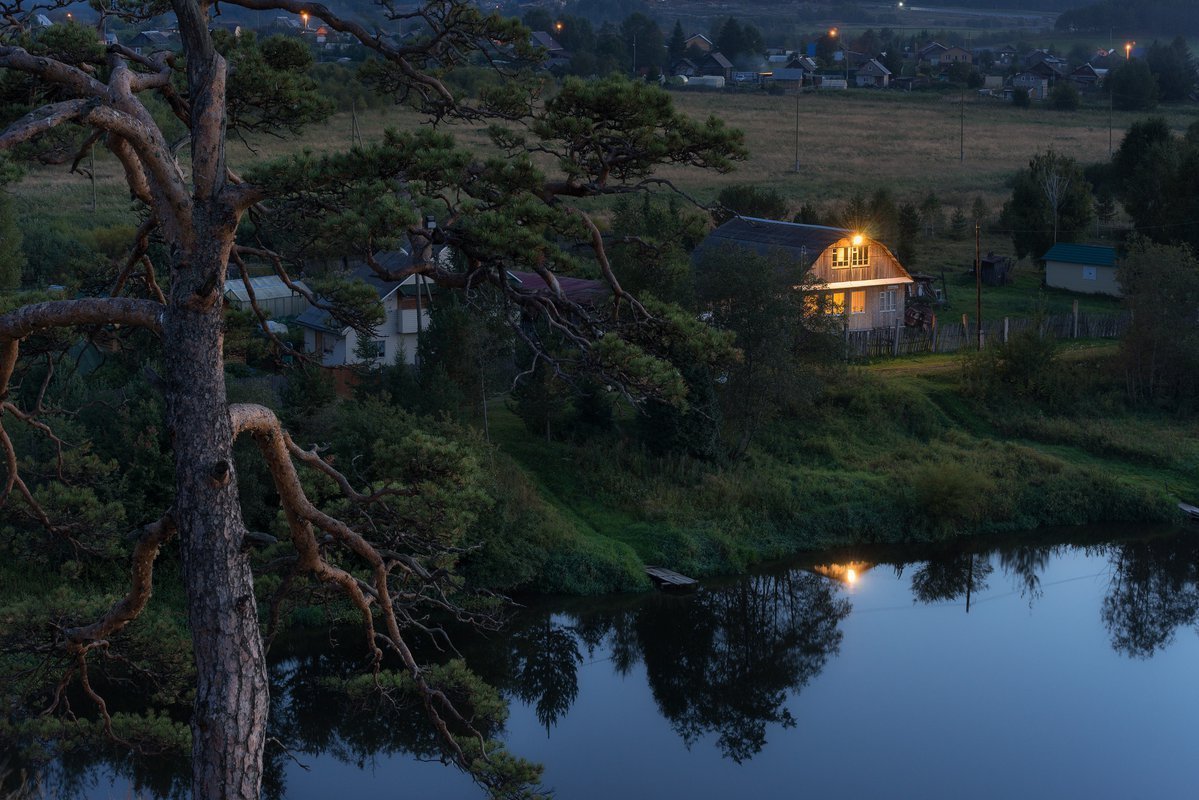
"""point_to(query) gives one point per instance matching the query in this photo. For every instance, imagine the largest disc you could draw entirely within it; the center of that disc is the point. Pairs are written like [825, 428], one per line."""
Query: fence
[950, 337]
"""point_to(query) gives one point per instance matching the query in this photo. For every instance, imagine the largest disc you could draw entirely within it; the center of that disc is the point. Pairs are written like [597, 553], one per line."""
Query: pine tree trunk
[230, 713]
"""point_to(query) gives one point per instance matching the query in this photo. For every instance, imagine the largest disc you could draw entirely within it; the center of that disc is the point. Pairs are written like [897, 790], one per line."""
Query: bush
[1064, 97]
[1020, 98]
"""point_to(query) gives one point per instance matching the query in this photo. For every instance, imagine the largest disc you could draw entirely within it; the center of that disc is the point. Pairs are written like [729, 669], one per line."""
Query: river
[1062, 667]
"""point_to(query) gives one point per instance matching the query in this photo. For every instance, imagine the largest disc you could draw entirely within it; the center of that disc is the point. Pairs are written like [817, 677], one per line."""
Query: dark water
[1023, 671]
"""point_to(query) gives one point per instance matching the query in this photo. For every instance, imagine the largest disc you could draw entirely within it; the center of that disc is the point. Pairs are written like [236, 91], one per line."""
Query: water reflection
[1154, 591]
[726, 663]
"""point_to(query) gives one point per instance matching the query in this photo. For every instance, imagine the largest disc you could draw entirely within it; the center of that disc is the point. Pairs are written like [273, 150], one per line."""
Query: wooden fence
[949, 337]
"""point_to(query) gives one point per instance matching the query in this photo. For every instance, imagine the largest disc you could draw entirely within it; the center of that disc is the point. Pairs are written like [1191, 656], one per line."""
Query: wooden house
[931, 54]
[716, 65]
[1036, 85]
[699, 42]
[956, 55]
[1088, 77]
[860, 279]
[406, 313]
[873, 73]
[1086, 268]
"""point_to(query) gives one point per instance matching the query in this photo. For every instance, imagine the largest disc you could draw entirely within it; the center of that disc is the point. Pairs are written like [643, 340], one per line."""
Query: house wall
[1082, 278]
[873, 315]
[882, 266]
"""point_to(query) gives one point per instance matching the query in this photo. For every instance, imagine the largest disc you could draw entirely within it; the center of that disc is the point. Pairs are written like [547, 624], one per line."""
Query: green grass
[892, 453]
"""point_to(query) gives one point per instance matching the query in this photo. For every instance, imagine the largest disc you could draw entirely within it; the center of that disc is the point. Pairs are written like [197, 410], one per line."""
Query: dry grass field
[849, 142]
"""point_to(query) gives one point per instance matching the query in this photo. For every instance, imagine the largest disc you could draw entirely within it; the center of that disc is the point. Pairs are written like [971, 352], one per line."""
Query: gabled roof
[579, 290]
[720, 60]
[932, 47]
[543, 39]
[874, 67]
[805, 242]
[321, 320]
[1090, 254]
[693, 36]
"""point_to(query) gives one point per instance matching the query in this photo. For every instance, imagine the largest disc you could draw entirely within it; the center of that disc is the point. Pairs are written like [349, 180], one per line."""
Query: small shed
[270, 292]
[1086, 268]
[995, 270]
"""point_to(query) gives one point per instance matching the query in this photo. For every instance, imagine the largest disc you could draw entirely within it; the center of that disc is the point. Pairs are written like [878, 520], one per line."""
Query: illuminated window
[857, 303]
[858, 256]
[838, 304]
[811, 305]
[886, 300]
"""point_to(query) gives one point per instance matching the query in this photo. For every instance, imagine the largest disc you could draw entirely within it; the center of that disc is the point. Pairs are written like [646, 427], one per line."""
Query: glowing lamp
[851, 576]
[857, 240]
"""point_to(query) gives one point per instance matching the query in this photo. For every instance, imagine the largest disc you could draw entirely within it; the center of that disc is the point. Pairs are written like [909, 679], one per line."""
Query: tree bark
[230, 714]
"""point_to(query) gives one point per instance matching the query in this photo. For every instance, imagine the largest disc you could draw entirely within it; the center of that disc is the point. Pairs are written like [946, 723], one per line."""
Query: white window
[855, 256]
[1090, 274]
[376, 349]
[886, 300]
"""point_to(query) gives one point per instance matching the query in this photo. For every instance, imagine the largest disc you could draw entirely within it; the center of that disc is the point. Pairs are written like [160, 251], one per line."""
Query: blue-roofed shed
[1086, 268]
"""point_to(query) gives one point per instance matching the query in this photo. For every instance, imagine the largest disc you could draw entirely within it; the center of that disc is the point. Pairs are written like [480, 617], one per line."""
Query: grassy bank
[893, 453]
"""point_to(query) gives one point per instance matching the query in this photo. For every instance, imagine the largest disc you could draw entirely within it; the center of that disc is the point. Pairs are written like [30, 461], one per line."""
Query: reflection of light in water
[848, 573]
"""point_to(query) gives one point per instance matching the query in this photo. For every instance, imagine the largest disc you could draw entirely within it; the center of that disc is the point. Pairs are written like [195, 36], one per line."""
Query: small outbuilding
[1086, 268]
[271, 294]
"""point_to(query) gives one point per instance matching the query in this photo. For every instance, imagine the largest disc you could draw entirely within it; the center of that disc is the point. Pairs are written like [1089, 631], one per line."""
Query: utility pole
[798, 92]
[978, 285]
[962, 139]
[355, 130]
[634, 56]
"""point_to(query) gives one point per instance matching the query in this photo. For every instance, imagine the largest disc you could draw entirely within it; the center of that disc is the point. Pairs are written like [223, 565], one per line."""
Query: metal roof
[1095, 255]
[266, 287]
[766, 235]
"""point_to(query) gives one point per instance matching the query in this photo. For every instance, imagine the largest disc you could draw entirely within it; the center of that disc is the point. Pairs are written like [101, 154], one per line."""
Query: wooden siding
[883, 270]
[882, 265]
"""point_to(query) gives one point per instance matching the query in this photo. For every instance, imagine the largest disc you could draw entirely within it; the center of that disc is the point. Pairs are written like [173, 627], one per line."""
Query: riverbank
[893, 453]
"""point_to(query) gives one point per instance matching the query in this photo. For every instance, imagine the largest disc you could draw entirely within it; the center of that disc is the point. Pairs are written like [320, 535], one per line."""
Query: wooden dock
[1190, 511]
[669, 580]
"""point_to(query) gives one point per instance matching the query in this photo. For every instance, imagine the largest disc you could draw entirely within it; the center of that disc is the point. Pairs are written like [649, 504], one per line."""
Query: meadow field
[849, 142]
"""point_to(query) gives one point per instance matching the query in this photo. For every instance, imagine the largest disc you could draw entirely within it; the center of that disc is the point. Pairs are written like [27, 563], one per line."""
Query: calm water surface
[1025, 671]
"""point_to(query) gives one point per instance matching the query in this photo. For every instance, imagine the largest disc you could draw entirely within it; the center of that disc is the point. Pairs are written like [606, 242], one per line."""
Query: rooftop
[1092, 254]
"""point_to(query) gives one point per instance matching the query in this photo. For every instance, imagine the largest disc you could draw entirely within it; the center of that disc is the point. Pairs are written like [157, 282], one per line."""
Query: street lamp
[304, 19]
[1128, 50]
[558, 26]
[844, 54]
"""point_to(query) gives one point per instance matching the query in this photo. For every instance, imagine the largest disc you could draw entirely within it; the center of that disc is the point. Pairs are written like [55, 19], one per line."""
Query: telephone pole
[978, 285]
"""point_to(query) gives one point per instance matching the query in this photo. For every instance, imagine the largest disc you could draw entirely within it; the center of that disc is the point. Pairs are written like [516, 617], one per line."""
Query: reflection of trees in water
[723, 661]
[545, 657]
[1154, 591]
[1025, 565]
[950, 576]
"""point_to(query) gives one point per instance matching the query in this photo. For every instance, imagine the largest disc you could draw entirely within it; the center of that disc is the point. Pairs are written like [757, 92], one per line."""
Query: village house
[873, 73]
[860, 279]
[699, 42]
[931, 54]
[716, 65]
[1088, 77]
[1086, 268]
[146, 42]
[1036, 85]
[406, 314]
[956, 55]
